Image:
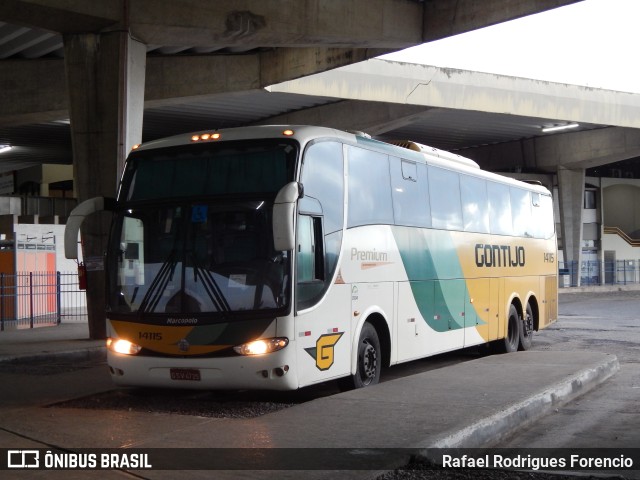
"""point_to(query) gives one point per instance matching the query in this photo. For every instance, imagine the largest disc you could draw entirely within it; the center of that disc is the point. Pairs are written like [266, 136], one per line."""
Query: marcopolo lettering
[499, 256]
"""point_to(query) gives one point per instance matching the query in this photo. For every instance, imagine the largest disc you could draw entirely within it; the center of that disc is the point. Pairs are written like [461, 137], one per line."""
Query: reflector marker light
[205, 137]
[288, 133]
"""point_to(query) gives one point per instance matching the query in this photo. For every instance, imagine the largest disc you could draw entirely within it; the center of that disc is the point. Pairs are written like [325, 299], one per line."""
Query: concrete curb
[85, 354]
[495, 427]
[634, 287]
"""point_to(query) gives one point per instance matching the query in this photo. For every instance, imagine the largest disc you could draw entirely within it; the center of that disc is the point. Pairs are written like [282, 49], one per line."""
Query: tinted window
[521, 211]
[410, 193]
[542, 217]
[444, 192]
[260, 166]
[306, 266]
[475, 205]
[323, 181]
[320, 221]
[499, 209]
[369, 188]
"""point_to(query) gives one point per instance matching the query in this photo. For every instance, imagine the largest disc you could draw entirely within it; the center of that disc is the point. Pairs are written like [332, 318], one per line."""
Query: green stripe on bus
[436, 281]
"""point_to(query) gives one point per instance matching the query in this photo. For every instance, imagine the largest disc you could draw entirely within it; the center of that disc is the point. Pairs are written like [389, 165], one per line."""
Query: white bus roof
[305, 133]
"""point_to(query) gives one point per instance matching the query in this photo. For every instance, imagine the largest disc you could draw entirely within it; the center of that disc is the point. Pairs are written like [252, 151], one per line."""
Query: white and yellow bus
[279, 257]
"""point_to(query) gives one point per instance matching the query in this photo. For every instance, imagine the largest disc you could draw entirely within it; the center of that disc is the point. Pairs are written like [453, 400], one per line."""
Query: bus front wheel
[369, 361]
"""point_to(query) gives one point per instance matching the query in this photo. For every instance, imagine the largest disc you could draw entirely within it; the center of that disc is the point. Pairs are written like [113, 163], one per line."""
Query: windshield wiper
[211, 287]
[159, 284]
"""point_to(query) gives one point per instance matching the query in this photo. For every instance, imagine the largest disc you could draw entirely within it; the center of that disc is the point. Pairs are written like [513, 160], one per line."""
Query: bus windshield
[232, 168]
[209, 249]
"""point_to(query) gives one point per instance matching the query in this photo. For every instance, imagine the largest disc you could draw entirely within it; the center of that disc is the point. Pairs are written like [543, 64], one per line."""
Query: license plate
[189, 374]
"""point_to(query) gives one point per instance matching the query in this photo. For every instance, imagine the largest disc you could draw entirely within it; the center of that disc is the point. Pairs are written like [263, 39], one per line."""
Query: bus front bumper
[274, 371]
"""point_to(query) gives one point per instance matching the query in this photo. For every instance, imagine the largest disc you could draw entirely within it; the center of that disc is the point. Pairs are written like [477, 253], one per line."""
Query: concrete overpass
[105, 64]
[608, 131]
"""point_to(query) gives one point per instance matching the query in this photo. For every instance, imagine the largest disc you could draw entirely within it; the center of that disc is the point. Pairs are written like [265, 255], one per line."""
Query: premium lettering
[368, 255]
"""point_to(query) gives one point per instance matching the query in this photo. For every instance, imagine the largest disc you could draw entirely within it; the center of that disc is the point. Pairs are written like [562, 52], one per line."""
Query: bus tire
[526, 329]
[368, 363]
[512, 337]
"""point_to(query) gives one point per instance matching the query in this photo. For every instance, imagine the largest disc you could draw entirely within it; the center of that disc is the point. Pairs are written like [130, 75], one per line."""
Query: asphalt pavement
[470, 404]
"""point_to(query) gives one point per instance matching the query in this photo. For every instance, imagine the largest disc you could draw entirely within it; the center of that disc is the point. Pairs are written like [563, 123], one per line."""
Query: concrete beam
[63, 16]
[292, 23]
[573, 151]
[370, 117]
[588, 149]
[444, 18]
[174, 80]
[397, 82]
[33, 91]
[389, 24]
[106, 75]
[36, 91]
[285, 64]
[392, 24]
[571, 193]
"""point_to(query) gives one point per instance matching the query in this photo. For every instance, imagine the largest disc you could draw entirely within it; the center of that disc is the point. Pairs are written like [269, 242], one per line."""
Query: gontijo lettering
[499, 255]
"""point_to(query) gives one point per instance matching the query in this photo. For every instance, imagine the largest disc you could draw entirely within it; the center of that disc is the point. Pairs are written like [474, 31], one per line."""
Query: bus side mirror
[76, 217]
[284, 237]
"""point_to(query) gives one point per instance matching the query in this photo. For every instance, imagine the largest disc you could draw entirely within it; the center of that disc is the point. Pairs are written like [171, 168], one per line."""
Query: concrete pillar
[571, 193]
[105, 77]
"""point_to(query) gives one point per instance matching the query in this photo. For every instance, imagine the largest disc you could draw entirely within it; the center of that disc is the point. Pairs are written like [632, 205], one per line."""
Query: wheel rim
[528, 324]
[369, 363]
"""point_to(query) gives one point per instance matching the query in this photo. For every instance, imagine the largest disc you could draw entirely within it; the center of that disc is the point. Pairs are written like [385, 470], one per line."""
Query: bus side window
[444, 192]
[475, 204]
[369, 188]
[500, 219]
[411, 206]
[521, 211]
[310, 255]
[542, 216]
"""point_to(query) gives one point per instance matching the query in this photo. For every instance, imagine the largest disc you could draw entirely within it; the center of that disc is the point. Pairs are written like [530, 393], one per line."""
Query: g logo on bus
[323, 352]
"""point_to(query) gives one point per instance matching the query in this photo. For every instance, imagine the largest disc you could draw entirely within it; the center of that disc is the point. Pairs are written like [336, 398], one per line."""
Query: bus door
[323, 340]
[322, 325]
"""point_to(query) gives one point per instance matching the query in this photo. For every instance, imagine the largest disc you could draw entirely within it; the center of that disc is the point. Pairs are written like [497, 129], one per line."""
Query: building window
[589, 199]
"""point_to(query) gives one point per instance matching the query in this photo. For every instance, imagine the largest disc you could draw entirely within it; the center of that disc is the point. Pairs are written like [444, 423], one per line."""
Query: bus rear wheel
[512, 338]
[369, 361]
[526, 329]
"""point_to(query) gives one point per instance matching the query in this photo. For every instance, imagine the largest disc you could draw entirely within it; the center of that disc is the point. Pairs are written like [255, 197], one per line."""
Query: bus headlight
[125, 347]
[262, 346]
